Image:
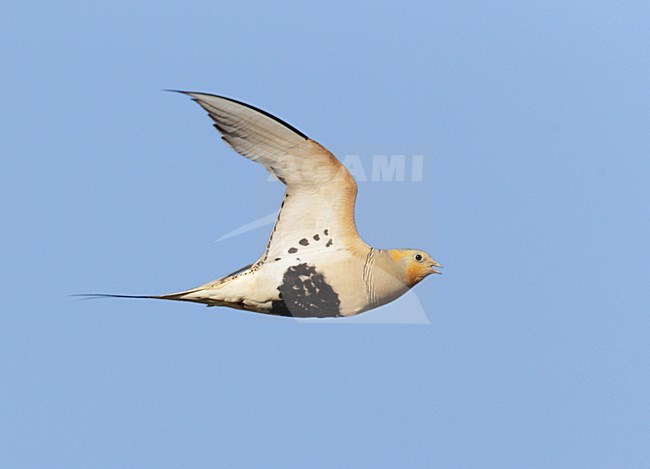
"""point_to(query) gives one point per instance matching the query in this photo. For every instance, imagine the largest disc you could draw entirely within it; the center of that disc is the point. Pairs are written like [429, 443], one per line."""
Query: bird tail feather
[172, 296]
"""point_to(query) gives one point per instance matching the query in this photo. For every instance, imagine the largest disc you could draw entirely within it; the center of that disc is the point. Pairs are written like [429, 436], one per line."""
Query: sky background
[533, 119]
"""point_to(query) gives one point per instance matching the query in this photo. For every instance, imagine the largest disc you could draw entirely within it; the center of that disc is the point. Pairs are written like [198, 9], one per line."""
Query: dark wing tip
[169, 90]
[193, 94]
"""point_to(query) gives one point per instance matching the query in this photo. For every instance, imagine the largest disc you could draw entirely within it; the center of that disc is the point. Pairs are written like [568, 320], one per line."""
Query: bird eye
[418, 257]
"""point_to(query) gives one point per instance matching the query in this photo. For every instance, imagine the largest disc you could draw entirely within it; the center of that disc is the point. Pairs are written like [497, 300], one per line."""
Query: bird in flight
[315, 264]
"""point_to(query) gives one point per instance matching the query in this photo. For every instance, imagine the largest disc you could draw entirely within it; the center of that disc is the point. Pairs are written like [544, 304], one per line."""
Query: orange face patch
[415, 272]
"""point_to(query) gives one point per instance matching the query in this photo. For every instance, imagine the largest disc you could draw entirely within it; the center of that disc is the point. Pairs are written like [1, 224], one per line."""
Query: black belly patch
[305, 294]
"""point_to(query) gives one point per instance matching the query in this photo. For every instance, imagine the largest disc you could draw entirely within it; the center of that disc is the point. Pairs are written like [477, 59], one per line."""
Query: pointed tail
[171, 296]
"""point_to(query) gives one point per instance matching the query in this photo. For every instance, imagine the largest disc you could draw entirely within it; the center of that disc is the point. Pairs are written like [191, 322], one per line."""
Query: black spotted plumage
[305, 293]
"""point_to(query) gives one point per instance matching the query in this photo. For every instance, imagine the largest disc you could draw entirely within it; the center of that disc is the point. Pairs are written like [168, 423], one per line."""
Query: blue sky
[532, 119]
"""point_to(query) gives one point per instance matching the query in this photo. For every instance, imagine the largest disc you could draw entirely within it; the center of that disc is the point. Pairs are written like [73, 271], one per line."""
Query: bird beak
[433, 270]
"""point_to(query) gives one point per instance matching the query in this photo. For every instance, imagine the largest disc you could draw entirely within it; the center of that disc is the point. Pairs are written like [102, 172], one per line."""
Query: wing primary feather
[261, 111]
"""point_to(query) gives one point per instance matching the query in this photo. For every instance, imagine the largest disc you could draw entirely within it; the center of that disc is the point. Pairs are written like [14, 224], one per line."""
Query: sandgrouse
[315, 264]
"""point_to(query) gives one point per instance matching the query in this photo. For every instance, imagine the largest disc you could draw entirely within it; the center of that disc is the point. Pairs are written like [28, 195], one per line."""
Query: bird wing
[317, 211]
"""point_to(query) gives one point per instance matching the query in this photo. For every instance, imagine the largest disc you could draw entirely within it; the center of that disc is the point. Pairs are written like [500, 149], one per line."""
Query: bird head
[415, 263]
